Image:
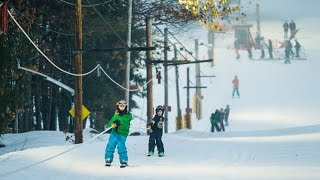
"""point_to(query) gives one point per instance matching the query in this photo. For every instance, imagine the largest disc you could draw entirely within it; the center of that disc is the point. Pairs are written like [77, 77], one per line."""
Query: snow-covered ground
[274, 130]
[274, 133]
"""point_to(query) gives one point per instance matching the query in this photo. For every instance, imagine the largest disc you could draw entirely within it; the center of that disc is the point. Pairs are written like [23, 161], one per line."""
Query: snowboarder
[155, 128]
[297, 46]
[120, 123]
[292, 27]
[214, 119]
[235, 83]
[226, 115]
[270, 49]
[285, 28]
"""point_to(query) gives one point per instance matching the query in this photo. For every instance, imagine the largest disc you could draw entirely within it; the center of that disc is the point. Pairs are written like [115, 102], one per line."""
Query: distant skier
[285, 28]
[297, 47]
[292, 27]
[120, 123]
[289, 44]
[155, 127]
[221, 119]
[249, 49]
[287, 52]
[263, 46]
[270, 49]
[226, 115]
[214, 119]
[235, 83]
[237, 47]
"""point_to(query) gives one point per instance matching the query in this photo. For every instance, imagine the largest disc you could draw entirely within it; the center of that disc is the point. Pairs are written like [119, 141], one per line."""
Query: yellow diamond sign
[85, 112]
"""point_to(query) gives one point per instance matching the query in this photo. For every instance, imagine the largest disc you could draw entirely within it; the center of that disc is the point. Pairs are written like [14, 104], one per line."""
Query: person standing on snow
[292, 27]
[120, 123]
[226, 115]
[262, 46]
[270, 49]
[221, 119]
[237, 47]
[235, 83]
[297, 46]
[285, 28]
[155, 128]
[214, 119]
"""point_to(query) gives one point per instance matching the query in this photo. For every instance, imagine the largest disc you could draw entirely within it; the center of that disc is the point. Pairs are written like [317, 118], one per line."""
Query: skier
[292, 27]
[289, 44]
[270, 49]
[297, 46]
[120, 123]
[237, 47]
[262, 46]
[285, 28]
[287, 52]
[221, 119]
[226, 115]
[155, 127]
[235, 83]
[249, 49]
[214, 119]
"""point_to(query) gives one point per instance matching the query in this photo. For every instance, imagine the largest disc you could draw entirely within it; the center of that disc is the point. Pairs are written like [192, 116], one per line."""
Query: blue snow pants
[119, 141]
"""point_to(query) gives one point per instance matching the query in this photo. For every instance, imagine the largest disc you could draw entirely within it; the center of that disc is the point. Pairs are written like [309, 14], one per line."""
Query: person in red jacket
[235, 83]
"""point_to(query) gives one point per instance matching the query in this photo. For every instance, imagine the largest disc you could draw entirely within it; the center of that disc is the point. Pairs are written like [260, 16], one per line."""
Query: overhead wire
[84, 5]
[73, 74]
[60, 33]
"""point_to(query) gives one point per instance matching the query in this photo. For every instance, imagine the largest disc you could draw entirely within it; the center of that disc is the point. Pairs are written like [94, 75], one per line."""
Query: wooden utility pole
[179, 118]
[78, 67]
[149, 70]
[166, 80]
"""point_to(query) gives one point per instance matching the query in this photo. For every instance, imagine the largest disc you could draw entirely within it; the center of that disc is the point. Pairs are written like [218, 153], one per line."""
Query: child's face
[122, 107]
[159, 113]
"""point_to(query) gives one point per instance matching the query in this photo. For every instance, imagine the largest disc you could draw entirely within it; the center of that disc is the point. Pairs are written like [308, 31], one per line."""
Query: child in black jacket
[155, 129]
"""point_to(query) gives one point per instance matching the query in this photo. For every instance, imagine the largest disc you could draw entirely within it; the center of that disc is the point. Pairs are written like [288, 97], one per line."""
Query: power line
[105, 21]
[86, 6]
[59, 33]
[73, 74]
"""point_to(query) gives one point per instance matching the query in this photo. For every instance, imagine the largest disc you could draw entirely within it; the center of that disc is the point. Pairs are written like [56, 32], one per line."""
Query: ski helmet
[159, 108]
[122, 102]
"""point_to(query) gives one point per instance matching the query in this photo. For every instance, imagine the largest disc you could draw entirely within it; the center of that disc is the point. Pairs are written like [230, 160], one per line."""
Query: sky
[288, 9]
[274, 128]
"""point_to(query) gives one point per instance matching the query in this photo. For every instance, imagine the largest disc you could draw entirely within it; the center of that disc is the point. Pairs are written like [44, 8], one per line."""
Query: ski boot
[123, 164]
[108, 162]
[161, 154]
[150, 153]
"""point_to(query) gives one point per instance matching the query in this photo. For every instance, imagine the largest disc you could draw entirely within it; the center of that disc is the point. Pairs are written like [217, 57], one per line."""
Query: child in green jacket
[120, 123]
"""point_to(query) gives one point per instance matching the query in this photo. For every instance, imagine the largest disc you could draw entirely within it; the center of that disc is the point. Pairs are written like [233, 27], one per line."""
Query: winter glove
[149, 129]
[116, 123]
[152, 123]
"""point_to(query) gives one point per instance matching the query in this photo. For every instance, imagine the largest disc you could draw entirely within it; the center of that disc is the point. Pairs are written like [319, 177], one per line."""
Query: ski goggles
[122, 103]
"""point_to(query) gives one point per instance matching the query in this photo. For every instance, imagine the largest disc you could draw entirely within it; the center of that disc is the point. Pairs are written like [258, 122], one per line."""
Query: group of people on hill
[261, 43]
[292, 26]
[219, 119]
